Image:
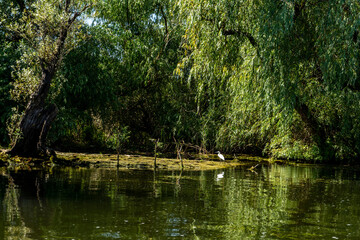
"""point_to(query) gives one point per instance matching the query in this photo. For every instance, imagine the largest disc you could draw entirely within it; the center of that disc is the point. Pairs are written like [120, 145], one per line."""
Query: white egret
[220, 155]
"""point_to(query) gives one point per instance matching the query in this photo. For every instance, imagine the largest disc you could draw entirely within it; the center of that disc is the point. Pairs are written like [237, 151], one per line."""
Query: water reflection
[270, 202]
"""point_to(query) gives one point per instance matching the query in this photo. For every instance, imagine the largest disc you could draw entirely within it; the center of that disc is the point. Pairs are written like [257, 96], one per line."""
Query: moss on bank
[146, 162]
[134, 161]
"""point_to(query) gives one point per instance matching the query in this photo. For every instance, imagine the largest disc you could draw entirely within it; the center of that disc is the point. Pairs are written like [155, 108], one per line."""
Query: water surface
[272, 202]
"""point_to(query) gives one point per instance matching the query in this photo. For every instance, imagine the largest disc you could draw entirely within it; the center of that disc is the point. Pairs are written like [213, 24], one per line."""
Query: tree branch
[355, 36]
[67, 4]
[251, 39]
[77, 14]
[298, 8]
[21, 4]
[229, 32]
[165, 20]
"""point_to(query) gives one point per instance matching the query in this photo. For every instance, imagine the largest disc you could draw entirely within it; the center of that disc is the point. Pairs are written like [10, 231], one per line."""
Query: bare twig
[179, 147]
[155, 153]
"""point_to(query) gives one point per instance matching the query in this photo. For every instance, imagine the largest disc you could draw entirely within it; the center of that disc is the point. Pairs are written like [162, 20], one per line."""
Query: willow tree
[144, 39]
[48, 30]
[291, 67]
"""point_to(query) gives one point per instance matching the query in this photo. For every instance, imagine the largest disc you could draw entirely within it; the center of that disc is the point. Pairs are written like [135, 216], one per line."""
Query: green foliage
[117, 138]
[280, 78]
[144, 38]
[44, 32]
[84, 82]
[288, 68]
[43, 41]
[8, 55]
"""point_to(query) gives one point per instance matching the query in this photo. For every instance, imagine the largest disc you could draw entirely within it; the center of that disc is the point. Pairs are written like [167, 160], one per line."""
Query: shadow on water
[270, 202]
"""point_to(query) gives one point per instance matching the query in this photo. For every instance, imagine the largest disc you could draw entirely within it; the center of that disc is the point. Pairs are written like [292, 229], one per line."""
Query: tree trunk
[38, 116]
[36, 122]
[317, 131]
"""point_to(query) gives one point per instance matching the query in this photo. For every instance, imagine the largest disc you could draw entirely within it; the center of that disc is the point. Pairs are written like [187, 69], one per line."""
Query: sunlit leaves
[281, 77]
[41, 29]
[306, 54]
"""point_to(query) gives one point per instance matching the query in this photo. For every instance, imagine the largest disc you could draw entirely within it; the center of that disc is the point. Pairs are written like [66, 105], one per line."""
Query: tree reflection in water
[275, 202]
[14, 225]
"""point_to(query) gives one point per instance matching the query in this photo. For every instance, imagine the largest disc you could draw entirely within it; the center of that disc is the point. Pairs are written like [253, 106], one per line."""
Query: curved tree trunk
[36, 121]
[38, 116]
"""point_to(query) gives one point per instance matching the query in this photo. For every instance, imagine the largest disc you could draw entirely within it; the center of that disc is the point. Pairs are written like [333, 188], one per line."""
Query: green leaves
[278, 60]
[272, 77]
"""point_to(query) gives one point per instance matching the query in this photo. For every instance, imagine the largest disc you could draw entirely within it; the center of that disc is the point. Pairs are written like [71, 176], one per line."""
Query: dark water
[274, 202]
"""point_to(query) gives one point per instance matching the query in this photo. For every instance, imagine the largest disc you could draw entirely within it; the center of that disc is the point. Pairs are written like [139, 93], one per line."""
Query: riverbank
[131, 161]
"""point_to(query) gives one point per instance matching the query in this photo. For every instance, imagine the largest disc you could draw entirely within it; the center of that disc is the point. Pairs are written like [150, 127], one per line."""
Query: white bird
[220, 155]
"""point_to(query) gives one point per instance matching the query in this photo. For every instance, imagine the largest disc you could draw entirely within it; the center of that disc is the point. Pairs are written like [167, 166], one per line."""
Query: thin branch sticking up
[179, 147]
[155, 152]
